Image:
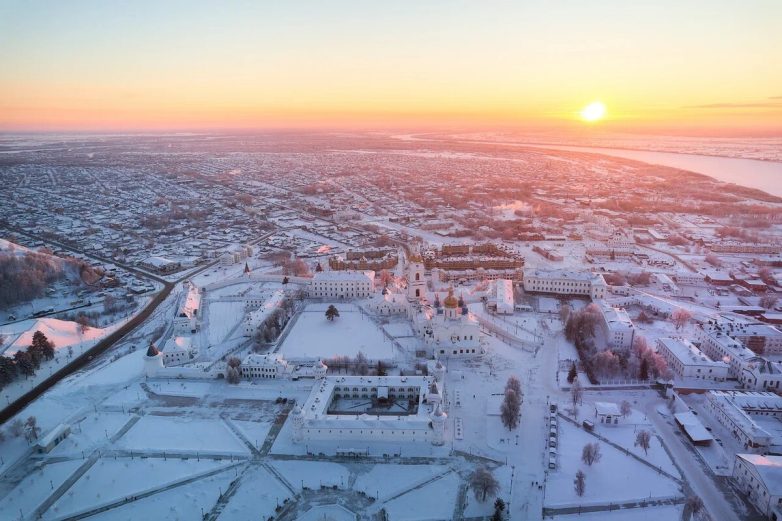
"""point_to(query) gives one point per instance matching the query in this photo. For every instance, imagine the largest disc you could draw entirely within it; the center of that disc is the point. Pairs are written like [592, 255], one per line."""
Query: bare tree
[16, 429]
[572, 374]
[694, 504]
[576, 392]
[591, 453]
[483, 483]
[680, 318]
[643, 439]
[361, 364]
[232, 375]
[625, 408]
[768, 301]
[31, 429]
[84, 323]
[713, 260]
[580, 483]
[514, 384]
[510, 410]
[564, 312]
[386, 278]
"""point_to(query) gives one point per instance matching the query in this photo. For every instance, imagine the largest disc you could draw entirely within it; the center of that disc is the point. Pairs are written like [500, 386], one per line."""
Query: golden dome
[450, 301]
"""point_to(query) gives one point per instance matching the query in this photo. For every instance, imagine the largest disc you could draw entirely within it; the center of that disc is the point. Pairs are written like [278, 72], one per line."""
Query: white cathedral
[446, 327]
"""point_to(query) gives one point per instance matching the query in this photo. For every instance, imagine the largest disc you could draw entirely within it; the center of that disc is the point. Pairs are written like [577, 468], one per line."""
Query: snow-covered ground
[315, 337]
[615, 478]
[170, 448]
[69, 339]
[181, 434]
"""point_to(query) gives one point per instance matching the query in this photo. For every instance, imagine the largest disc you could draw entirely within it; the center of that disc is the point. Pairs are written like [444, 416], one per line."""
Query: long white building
[503, 300]
[752, 417]
[351, 409]
[687, 361]
[760, 478]
[253, 319]
[342, 284]
[565, 282]
[186, 319]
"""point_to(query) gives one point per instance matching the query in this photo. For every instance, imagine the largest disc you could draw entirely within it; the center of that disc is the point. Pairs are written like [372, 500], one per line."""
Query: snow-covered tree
[572, 374]
[499, 508]
[625, 408]
[332, 312]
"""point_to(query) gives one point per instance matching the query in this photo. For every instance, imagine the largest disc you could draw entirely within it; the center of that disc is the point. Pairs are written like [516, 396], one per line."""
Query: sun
[595, 111]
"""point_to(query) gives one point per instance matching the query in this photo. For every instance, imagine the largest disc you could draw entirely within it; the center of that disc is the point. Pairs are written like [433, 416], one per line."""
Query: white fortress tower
[439, 371]
[153, 361]
[416, 283]
[438, 424]
[320, 370]
[298, 424]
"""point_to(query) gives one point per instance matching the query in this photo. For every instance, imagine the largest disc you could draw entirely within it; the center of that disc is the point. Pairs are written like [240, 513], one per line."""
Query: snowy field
[615, 478]
[110, 480]
[222, 319]
[389, 480]
[257, 497]
[660, 513]
[312, 474]
[35, 488]
[434, 500]
[315, 337]
[181, 434]
[399, 329]
[184, 503]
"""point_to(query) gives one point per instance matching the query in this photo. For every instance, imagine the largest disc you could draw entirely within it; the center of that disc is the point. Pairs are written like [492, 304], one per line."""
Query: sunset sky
[687, 66]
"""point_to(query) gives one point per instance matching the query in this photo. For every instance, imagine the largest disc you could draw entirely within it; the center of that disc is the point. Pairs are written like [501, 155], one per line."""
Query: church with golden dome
[446, 327]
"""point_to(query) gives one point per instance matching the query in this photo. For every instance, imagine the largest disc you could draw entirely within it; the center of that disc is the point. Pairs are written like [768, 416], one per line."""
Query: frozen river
[764, 175]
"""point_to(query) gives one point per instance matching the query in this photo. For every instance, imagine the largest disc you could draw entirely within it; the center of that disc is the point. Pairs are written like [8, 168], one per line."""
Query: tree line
[26, 362]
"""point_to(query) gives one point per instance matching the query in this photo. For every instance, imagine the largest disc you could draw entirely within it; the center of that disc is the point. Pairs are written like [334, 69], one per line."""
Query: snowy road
[702, 484]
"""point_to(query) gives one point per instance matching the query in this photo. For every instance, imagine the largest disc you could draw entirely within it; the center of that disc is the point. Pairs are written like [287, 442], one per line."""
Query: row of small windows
[374, 389]
[461, 351]
[401, 433]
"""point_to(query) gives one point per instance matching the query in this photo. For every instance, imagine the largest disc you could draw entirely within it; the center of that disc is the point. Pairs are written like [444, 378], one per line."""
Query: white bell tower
[416, 282]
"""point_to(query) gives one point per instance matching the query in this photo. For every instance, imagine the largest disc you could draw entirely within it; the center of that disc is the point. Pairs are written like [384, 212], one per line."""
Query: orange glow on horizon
[154, 66]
